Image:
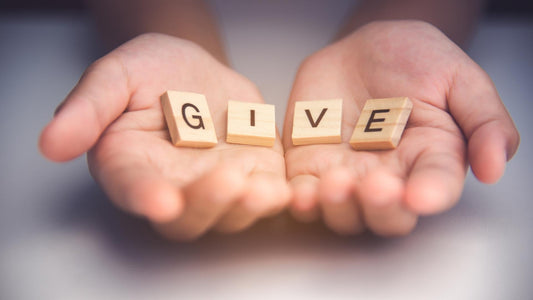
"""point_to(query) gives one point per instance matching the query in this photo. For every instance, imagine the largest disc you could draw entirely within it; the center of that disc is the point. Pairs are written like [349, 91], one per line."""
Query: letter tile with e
[381, 123]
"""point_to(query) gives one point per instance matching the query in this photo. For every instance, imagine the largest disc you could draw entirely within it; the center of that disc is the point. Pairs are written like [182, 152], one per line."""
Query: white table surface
[60, 238]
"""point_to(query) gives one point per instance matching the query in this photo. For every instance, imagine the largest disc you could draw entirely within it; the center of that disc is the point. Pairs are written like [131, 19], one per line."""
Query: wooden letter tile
[188, 119]
[317, 122]
[381, 124]
[251, 123]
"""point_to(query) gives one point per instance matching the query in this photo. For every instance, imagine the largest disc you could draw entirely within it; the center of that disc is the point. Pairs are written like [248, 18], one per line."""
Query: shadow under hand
[132, 241]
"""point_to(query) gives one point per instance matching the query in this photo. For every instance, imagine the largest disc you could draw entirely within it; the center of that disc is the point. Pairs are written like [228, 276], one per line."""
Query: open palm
[457, 119]
[115, 111]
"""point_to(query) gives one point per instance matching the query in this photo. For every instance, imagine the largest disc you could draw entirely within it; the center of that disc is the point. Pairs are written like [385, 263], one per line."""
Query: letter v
[310, 118]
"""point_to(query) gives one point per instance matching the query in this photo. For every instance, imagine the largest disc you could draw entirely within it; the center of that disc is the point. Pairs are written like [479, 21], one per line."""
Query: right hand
[114, 111]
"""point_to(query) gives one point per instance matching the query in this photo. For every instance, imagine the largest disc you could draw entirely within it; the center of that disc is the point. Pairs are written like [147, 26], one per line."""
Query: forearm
[456, 18]
[121, 20]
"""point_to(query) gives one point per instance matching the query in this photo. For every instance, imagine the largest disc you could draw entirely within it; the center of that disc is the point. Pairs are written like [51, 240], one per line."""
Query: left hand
[457, 118]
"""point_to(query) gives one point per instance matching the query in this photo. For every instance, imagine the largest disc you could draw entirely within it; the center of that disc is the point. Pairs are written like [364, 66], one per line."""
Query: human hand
[457, 118]
[115, 112]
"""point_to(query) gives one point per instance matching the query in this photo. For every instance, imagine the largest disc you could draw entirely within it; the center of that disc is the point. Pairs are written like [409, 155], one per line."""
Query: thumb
[98, 99]
[491, 134]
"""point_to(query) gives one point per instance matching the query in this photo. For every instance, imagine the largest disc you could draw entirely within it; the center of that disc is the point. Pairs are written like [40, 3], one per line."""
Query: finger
[437, 176]
[491, 134]
[139, 188]
[339, 208]
[265, 195]
[99, 98]
[381, 194]
[304, 205]
[207, 199]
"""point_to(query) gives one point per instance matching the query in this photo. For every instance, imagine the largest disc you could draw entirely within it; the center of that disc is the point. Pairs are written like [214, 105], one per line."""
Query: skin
[115, 112]
[122, 20]
[457, 120]
[455, 18]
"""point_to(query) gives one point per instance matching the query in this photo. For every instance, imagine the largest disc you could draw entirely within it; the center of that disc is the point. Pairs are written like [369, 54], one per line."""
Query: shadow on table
[132, 240]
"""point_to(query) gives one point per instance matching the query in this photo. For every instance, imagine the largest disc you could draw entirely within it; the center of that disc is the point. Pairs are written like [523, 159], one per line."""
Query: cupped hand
[114, 112]
[457, 119]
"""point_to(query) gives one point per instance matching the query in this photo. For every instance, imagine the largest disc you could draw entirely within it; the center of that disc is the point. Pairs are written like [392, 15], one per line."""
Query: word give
[380, 125]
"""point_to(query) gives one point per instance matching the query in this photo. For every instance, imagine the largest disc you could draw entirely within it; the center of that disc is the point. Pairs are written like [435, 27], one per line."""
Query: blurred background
[60, 238]
[494, 7]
